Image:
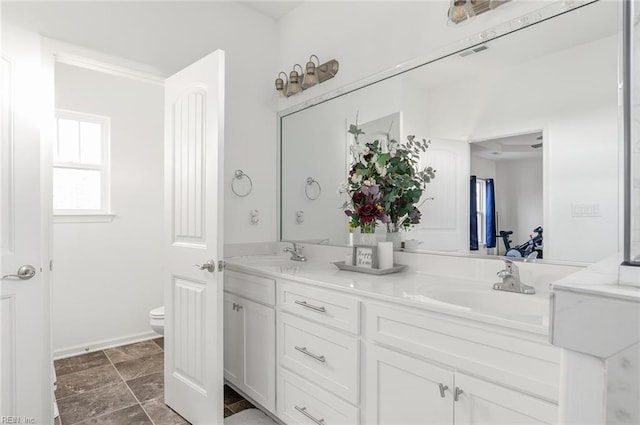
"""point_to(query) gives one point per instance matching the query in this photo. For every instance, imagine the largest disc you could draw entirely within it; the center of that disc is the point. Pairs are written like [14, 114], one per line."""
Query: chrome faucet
[511, 280]
[296, 252]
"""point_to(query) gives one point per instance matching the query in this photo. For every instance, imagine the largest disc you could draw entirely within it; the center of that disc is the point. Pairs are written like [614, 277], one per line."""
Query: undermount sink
[520, 307]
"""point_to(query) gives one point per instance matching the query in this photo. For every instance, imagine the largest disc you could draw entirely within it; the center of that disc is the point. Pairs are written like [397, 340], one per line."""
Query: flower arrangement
[385, 183]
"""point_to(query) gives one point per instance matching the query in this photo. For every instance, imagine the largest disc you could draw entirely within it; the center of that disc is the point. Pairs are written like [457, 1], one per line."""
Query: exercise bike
[534, 244]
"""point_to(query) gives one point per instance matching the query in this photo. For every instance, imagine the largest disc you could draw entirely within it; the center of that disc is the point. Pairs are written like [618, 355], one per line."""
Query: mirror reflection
[506, 218]
[533, 114]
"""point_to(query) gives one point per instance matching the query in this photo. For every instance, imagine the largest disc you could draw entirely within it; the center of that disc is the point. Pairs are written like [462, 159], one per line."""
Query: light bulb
[461, 10]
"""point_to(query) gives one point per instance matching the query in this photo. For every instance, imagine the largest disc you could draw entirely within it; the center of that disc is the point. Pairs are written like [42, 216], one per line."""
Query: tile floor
[122, 386]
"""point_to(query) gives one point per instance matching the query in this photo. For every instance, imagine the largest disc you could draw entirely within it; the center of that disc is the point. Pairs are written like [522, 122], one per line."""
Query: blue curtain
[473, 216]
[491, 214]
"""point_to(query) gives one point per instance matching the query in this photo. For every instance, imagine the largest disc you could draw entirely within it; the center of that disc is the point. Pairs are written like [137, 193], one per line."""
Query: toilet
[156, 320]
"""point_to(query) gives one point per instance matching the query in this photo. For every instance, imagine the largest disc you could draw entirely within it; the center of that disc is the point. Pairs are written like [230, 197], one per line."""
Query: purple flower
[415, 216]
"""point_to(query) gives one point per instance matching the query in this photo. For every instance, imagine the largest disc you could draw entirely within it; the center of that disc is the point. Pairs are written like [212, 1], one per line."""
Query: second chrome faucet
[510, 276]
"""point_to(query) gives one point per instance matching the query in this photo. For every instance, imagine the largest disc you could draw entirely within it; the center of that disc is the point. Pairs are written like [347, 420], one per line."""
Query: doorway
[514, 166]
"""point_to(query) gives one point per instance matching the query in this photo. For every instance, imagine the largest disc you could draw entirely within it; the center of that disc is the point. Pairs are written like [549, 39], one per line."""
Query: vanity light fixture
[299, 79]
[462, 11]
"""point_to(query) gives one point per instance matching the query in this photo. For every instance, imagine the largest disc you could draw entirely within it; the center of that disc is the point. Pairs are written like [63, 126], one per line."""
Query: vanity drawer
[327, 307]
[326, 357]
[257, 288]
[300, 402]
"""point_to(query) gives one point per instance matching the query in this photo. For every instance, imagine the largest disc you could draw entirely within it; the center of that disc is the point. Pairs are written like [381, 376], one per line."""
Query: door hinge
[220, 265]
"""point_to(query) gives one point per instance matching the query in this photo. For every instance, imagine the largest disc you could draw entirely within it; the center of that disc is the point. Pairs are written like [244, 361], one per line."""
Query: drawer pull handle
[456, 395]
[443, 388]
[309, 306]
[303, 350]
[303, 410]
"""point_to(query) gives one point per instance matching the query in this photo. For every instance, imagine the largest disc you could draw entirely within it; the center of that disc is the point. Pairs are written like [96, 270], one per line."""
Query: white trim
[83, 218]
[90, 347]
[70, 54]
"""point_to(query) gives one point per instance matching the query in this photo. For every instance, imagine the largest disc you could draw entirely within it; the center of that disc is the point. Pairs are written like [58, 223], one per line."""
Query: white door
[445, 218]
[25, 347]
[407, 391]
[194, 117]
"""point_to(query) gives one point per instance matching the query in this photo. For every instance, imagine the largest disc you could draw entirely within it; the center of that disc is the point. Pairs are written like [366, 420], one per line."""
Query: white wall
[107, 276]
[483, 168]
[368, 37]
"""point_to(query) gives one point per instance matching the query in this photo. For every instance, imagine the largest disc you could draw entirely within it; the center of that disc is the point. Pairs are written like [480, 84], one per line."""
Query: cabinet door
[404, 390]
[482, 402]
[259, 381]
[249, 349]
[233, 341]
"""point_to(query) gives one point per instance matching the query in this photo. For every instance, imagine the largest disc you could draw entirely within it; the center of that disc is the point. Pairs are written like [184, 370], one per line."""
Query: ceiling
[509, 148]
[167, 35]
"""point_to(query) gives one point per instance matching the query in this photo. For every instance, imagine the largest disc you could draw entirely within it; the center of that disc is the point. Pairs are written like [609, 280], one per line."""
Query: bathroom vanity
[312, 344]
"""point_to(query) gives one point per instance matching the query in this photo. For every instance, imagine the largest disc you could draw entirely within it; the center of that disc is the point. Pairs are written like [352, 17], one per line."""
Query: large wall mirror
[534, 111]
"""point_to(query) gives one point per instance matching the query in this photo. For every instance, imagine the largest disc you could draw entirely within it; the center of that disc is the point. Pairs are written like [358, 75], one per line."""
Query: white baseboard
[61, 353]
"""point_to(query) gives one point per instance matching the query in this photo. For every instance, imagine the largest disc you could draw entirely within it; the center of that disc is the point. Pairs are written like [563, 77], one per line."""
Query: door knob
[25, 272]
[210, 266]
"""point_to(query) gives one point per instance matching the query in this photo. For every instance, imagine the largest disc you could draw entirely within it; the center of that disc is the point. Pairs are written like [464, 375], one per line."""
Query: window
[81, 164]
[481, 210]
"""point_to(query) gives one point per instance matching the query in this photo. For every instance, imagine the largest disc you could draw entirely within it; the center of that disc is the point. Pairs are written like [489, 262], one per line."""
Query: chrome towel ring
[237, 176]
[310, 182]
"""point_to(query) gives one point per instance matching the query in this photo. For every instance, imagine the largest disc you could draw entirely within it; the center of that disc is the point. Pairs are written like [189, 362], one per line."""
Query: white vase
[368, 239]
[396, 238]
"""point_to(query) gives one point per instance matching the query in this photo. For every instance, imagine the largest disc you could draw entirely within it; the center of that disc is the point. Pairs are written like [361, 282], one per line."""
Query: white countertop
[600, 279]
[412, 288]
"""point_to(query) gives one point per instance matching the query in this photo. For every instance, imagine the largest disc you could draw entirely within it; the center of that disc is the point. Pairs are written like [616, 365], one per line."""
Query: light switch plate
[585, 210]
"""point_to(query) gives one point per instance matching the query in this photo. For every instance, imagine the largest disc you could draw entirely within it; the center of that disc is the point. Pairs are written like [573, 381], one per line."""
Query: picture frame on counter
[365, 256]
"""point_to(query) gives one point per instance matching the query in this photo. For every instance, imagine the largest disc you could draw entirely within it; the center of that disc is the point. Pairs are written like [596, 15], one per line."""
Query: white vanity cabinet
[345, 358]
[249, 336]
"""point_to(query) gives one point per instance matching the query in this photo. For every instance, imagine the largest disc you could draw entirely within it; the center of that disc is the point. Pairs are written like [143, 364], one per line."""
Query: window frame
[87, 215]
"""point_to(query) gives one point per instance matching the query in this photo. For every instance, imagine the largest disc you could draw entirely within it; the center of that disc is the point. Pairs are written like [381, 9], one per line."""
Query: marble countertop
[600, 279]
[473, 300]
